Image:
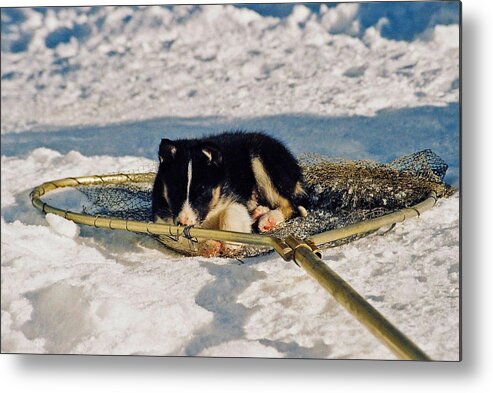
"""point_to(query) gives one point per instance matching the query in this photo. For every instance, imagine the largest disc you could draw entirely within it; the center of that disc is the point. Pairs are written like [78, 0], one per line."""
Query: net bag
[340, 193]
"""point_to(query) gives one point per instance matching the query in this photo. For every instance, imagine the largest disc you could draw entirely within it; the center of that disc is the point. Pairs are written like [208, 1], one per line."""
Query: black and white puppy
[227, 182]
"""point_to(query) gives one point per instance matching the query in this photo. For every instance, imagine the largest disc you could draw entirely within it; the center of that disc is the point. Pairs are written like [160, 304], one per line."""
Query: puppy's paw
[270, 220]
[210, 248]
[259, 211]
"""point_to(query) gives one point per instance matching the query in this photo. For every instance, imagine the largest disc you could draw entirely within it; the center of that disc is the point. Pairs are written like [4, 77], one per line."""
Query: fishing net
[340, 193]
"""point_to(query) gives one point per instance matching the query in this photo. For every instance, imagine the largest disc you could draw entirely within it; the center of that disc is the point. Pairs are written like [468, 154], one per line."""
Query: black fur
[230, 167]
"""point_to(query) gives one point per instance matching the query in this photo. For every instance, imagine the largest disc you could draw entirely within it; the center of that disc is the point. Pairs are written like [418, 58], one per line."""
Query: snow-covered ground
[100, 102]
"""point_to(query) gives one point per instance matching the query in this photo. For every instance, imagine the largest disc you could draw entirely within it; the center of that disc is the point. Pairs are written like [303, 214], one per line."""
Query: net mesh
[340, 193]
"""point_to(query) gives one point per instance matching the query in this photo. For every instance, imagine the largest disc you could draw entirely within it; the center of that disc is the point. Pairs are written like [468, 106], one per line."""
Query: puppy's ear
[167, 150]
[212, 154]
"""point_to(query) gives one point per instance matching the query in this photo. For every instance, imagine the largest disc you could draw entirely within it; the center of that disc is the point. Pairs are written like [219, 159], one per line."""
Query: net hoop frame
[152, 228]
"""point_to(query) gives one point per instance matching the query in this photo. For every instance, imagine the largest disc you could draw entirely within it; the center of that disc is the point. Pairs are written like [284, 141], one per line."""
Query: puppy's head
[192, 173]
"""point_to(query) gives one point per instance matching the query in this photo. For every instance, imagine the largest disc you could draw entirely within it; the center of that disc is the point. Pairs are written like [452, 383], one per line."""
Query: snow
[110, 63]
[341, 19]
[94, 90]
[398, 273]
[62, 226]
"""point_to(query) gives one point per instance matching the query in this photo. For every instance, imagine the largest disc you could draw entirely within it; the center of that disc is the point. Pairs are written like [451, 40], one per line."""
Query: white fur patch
[187, 215]
[189, 179]
[235, 218]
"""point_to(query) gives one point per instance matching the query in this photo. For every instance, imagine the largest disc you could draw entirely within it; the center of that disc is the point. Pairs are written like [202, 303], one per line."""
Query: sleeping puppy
[229, 182]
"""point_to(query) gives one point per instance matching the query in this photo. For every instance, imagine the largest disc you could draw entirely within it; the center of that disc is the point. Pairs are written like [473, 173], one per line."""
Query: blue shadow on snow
[383, 137]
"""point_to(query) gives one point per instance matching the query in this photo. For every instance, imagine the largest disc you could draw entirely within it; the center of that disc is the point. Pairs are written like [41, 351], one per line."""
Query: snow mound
[62, 226]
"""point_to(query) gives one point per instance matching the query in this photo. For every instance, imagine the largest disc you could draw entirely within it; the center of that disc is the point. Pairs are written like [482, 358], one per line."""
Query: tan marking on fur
[165, 194]
[285, 207]
[298, 189]
[216, 193]
[208, 154]
[172, 151]
[264, 182]
[211, 221]
[268, 191]
[251, 205]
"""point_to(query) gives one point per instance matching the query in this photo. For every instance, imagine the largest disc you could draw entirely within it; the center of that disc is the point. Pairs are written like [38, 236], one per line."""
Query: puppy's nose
[186, 220]
[187, 215]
